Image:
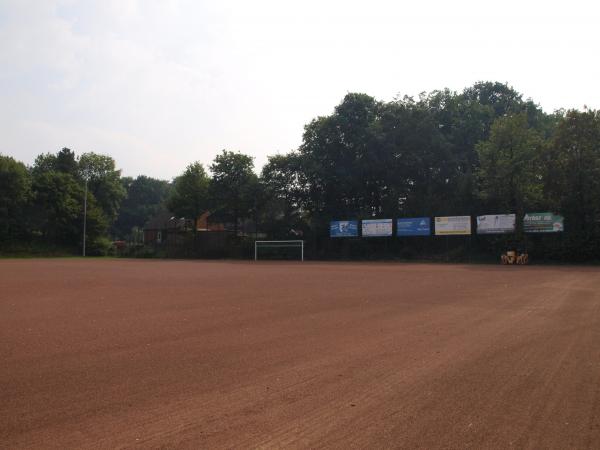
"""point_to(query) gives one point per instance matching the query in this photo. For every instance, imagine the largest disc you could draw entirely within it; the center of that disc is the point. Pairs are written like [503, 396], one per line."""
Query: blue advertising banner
[343, 228]
[417, 226]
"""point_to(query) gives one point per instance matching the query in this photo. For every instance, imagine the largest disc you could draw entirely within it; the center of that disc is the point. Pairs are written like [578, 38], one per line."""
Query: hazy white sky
[158, 84]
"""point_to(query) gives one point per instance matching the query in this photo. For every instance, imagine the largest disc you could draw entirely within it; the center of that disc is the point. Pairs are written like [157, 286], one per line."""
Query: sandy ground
[176, 354]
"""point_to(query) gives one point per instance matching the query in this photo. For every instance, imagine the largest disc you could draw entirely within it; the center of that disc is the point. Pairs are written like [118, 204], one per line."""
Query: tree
[64, 161]
[58, 197]
[466, 118]
[233, 186]
[342, 161]
[409, 156]
[145, 197]
[103, 182]
[284, 190]
[419, 167]
[189, 197]
[500, 98]
[58, 200]
[572, 178]
[15, 193]
[510, 174]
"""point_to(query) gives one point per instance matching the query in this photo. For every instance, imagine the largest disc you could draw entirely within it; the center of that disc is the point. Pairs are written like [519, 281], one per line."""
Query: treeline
[42, 206]
[485, 150]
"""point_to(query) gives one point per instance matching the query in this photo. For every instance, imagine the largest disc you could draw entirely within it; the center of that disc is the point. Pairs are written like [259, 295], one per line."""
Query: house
[206, 223]
[158, 227]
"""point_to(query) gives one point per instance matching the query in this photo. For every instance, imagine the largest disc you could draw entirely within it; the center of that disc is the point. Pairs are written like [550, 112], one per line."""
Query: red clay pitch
[177, 354]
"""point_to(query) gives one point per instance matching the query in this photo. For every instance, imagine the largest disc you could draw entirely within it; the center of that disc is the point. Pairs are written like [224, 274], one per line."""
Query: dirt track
[172, 354]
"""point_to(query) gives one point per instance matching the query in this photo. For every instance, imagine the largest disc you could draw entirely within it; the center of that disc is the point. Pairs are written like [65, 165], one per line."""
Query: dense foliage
[484, 150]
[145, 197]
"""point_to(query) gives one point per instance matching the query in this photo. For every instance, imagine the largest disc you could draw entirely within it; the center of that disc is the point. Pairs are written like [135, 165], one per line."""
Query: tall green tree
[64, 161]
[15, 194]
[145, 197]
[284, 191]
[466, 118]
[189, 196]
[103, 182]
[58, 191]
[510, 172]
[342, 161]
[58, 200]
[418, 165]
[233, 186]
[572, 178]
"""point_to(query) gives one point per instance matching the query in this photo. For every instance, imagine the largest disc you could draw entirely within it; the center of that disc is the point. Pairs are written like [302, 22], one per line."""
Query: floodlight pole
[85, 214]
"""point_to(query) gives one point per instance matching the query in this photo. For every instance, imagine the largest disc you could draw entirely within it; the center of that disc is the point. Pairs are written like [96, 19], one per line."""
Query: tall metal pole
[85, 214]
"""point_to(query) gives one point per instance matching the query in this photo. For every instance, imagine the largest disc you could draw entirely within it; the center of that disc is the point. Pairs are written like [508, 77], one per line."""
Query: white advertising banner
[445, 226]
[496, 223]
[377, 227]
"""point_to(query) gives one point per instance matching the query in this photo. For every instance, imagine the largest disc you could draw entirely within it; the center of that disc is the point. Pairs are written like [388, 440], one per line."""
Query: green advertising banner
[545, 222]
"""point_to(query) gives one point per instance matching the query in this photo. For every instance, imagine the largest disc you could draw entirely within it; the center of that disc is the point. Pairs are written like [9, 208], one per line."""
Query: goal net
[279, 250]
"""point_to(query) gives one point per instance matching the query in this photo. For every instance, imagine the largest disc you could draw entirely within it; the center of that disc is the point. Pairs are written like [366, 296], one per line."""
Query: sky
[158, 84]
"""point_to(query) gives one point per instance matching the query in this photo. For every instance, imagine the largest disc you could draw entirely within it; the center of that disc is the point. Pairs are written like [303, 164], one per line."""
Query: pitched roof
[160, 221]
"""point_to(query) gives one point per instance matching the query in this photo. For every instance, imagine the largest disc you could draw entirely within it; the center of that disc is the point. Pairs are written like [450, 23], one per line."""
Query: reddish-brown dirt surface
[176, 354]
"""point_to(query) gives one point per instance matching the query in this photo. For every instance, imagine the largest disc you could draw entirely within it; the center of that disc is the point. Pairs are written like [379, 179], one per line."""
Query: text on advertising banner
[452, 225]
[416, 226]
[343, 228]
[496, 223]
[377, 227]
[545, 222]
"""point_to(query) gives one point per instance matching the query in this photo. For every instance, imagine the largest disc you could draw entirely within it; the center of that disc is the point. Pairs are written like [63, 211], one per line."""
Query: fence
[565, 246]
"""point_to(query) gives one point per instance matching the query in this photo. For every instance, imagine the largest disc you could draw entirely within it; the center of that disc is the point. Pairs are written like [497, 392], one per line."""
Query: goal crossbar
[279, 244]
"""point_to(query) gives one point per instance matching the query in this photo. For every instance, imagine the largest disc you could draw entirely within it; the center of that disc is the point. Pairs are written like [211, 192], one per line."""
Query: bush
[99, 246]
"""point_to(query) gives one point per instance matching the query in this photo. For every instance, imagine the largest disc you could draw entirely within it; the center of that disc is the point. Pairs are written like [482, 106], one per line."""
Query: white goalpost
[278, 244]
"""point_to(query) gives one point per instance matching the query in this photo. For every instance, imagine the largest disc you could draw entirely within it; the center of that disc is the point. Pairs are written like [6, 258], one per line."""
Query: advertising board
[452, 225]
[496, 223]
[343, 228]
[377, 227]
[416, 226]
[544, 222]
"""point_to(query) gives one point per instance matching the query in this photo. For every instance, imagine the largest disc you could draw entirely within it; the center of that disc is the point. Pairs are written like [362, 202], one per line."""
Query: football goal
[279, 250]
